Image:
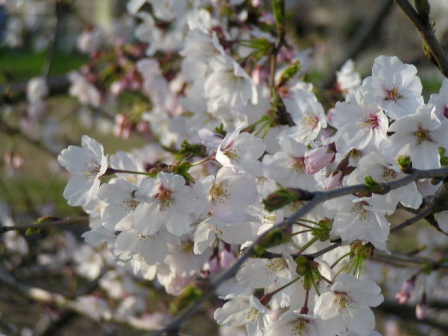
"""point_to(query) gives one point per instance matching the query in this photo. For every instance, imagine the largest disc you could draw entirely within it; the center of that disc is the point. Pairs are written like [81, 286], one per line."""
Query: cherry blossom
[418, 135]
[88, 163]
[164, 200]
[346, 305]
[245, 310]
[394, 86]
[361, 124]
[357, 219]
[229, 83]
[308, 115]
[241, 151]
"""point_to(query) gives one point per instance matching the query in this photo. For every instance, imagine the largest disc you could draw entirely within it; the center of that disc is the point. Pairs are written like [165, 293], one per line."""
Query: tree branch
[426, 32]
[16, 92]
[70, 220]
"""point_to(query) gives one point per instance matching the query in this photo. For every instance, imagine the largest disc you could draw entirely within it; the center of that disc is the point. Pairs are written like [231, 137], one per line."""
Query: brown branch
[426, 32]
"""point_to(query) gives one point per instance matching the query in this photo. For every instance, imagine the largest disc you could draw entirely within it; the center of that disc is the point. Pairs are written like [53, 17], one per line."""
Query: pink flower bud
[214, 265]
[226, 258]
[421, 310]
[318, 158]
[405, 292]
[334, 179]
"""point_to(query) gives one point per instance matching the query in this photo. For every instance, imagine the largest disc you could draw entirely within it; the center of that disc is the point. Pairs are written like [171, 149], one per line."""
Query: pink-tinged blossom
[440, 101]
[87, 164]
[360, 123]
[418, 135]
[164, 200]
[346, 306]
[333, 179]
[244, 310]
[394, 86]
[421, 310]
[406, 289]
[241, 151]
[308, 115]
[356, 219]
[318, 158]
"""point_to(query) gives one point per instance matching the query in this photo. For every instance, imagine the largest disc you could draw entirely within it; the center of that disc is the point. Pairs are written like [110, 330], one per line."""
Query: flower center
[311, 120]
[218, 192]
[301, 327]
[129, 204]
[422, 135]
[299, 165]
[164, 198]
[371, 121]
[92, 168]
[276, 265]
[360, 211]
[392, 94]
[344, 302]
[388, 174]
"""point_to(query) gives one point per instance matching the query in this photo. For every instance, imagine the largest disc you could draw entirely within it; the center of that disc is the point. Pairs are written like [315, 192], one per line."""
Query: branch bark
[426, 32]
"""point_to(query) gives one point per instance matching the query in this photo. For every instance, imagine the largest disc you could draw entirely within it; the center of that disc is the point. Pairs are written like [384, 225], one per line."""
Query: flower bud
[318, 158]
[334, 179]
[405, 163]
[421, 310]
[405, 292]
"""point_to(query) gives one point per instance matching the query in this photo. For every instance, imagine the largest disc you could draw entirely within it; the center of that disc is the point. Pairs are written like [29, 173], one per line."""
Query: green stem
[311, 242]
[340, 259]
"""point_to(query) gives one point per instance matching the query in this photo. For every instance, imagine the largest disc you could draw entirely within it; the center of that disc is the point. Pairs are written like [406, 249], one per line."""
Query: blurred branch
[16, 92]
[58, 11]
[46, 224]
[410, 261]
[14, 131]
[408, 314]
[360, 40]
[42, 296]
[431, 46]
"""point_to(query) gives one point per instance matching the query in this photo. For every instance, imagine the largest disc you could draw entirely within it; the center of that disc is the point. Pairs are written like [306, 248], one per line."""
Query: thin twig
[14, 131]
[426, 32]
[58, 11]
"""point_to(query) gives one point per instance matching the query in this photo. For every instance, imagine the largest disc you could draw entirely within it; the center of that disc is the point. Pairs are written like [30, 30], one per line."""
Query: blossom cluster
[230, 130]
